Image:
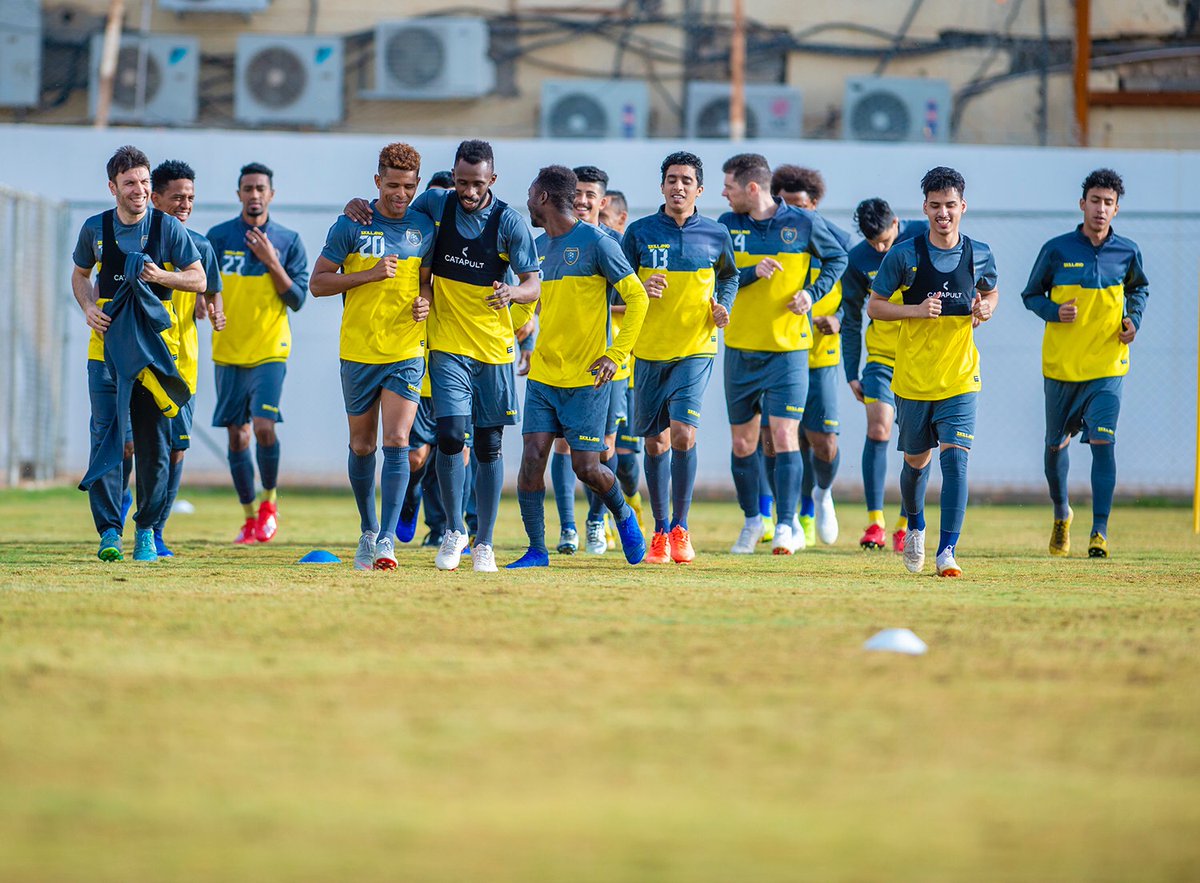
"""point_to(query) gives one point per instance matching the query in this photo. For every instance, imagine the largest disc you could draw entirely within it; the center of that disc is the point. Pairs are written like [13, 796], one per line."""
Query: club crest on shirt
[570, 256]
[413, 236]
[788, 235]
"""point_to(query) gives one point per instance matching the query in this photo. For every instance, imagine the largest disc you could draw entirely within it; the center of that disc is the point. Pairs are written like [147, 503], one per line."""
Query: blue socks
[769, 472]
[1104, 482]
[614, 500]
[533, 515]
[393, 483]
[825, 470]
[628, 473]
[745, 482]
[562, 477]
[658, 482]
[766, 483]
[912, 492]
[596, 501]
[806, 480]
[1057, 465]
[683, 480]
[954, 495]
[451, 472]
[788, 466]
[874, 472]
[174, 476]
[362, 482]
[489, 479]
[268, 465]
[241, 467]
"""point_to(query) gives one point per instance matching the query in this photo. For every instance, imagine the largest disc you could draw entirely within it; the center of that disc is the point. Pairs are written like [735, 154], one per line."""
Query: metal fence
[34, 236]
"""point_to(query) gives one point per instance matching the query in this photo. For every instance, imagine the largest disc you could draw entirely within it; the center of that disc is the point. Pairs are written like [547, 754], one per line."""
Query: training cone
[897, 641]
[320, 556]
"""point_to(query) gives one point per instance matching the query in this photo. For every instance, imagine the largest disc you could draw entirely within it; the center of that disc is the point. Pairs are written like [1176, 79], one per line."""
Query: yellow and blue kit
[188, 339]
[864, 263]
[377, 324]
[827, 348]
[578, 269]
[1107, 283]
[257, 329]
[698, 262]
[936, 358]
[760, 320]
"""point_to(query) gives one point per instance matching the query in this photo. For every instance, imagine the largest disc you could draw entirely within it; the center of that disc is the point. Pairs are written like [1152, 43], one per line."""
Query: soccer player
[576, 359]
[173, 263]
[471, 338]
[264, 273]
[1089, 287]
[946, 285]
[769, 336]
[615, 213]
[805, 188]
[686, 262]
[379, 269]
[881, 230]
[173, 190]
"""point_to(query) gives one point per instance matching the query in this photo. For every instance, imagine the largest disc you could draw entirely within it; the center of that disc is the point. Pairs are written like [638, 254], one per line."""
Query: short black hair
[558, 183]
[617, 202]
[943, 178]
[168, 171]
[256, 168]
[683, 158]
[474, 152]
[126, 158]
[592, 175]
[1104, 179]
[747, 167]
[443, 179]
[873, 216]
[798, 179]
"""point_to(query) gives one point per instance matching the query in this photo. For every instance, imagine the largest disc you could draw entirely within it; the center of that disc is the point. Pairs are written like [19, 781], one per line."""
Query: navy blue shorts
[925, 425]
[577, 413]
[775, 384]
[1089, 408]
[362, 383]
[876, 383]
[821, 408]
[617, 390]
[181, 426]
[625, 437]
[666, 391]
[424, 428]
[243, 393]
[466, 387]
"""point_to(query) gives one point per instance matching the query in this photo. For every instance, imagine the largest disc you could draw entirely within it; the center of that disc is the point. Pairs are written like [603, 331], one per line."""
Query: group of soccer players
[441, 293]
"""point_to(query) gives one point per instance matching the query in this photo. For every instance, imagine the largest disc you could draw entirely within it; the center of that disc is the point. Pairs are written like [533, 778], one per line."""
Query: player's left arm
[1137, 291]
[517, 242]
[727, 282]
[183, 253]
[823, 244]
[421, 303]
[629, 289]
[987, 296]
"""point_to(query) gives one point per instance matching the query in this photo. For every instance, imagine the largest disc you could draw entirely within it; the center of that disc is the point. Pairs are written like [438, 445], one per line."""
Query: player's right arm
[327, 276]
[892, 276]
[85, 259]
[854, 294]
[1036, 295]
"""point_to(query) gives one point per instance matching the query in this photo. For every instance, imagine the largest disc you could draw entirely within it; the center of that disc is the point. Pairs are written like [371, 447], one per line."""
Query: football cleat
[751, 533]
[432, 540]
[160, 545]
[532, 558]
[873, 538]
[406, 526]
[807, 529]
[385, 553]
[364, 555]
[610, 538]
[1098, 546]
[826, 517]
[267, 522]
[768, 533]
[110, 546]
[914, 550]
[636, 503]
[898, 536]
[596, 544]
[450, 551]
[568, 541]
[660, 548]
[1060, 535]
[681, 545]
[484, 559]
[248, 535]
[143, 545]
[633, 541]
[946, 565]
[789, 539]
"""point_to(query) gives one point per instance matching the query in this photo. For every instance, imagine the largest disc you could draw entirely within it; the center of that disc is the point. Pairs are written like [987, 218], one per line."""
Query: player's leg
[596, 538]
[806, 516]
[652, 425]
[266, 392]
[151, 466]
[590, 470]
[628, 450]
[1101, 412]
[531, 493]
[562, 478]
[954, 423]
[917, 440]
[785, 403]
[766, 478]
[684, 402]
[821, 433]
[450, 380]
[431, 496]
[104, 495]
[421, 440]
[397, 410]
[1064, 413]
[360, 465]
[232, 412]
[880, 417]
[494, 406]
[743, 379]
[180, 436]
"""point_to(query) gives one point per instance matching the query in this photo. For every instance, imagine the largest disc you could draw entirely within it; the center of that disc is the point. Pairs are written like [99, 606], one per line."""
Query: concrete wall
[1017, 197]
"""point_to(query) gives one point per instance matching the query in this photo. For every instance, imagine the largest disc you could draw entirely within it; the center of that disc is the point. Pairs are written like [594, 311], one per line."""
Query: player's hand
[385, 268]
[720, 315]
[656, 285]
[827, 324]
[500, 297]
[524, 331]
[800, 303]
[603, 368]
[930, 308]
[1067, 311]
[420, 309]
[856, 388]
[97, 319]
[981, 309]
[524, 361]
[1128, 331]
[767, 267]
[151, 272]
[216, 317]
[257, 242]
[359, 211]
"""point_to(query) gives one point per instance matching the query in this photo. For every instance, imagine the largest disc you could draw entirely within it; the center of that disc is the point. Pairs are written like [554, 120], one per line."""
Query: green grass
[232, 716]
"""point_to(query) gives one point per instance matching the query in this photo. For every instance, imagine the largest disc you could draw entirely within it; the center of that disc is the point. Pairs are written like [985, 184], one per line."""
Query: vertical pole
[108, 61]
[1196, 481]
[737, 73]
[1083, 63]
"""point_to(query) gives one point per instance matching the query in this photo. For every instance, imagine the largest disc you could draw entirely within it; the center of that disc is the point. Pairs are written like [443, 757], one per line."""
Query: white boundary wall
[1017, 198]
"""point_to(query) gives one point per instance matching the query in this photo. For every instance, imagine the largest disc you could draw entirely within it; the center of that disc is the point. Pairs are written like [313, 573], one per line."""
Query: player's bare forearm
[529, 289]
[885, 311]
[326, 280]
[190, 278]
[82, 288]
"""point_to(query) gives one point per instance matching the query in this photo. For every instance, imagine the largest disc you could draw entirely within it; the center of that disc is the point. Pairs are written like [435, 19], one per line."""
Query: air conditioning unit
[171, 66]
[288, 80]
[896, 109]
[243, 6]
[20, 52]
[594, 109]
[431, 59]
[772, 111]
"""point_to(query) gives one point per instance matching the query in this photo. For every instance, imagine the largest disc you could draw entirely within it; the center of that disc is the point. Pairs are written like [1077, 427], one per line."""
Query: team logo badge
[788, 235]
[413, 236]
[570, 255]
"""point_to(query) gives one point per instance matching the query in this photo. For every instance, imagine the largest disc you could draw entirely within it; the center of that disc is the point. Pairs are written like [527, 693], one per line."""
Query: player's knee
[264, 435]
[451, 434]
[487, 443]
[878, 432]
[396, 440]
[362, 447]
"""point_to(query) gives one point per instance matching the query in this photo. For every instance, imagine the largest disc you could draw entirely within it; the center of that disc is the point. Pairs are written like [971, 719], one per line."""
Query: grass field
[232, 716]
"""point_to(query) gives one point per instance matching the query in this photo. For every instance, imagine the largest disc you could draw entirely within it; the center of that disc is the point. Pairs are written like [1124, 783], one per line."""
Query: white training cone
[897, 641]
[183, 507]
